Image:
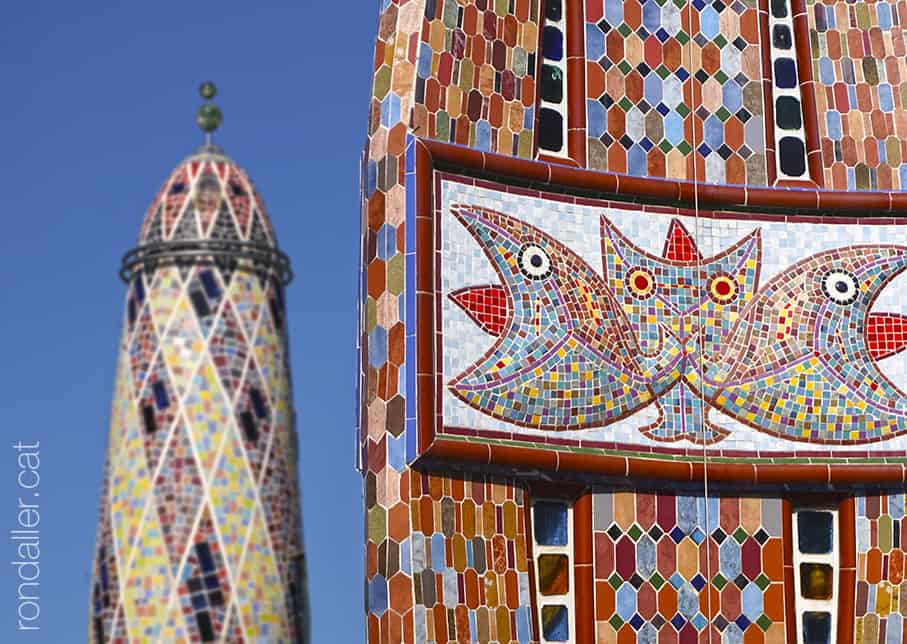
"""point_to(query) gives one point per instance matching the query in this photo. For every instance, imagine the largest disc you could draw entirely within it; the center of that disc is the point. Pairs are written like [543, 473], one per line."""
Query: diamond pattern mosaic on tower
[187, 539]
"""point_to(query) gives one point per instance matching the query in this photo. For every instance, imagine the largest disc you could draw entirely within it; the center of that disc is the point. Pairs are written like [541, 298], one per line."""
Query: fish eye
[534, 262]
[722, 288]
[641, 282]
[840, 286]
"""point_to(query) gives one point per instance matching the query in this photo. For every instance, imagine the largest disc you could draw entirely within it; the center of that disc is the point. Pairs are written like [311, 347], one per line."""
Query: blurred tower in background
[199, 537]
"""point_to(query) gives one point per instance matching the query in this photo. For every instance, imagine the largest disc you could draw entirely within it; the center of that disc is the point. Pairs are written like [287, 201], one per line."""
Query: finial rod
[209, 115]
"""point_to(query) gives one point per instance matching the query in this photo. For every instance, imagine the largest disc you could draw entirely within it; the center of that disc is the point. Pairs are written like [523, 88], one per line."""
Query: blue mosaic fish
[693, 300]
[565, 357]
[800, 363]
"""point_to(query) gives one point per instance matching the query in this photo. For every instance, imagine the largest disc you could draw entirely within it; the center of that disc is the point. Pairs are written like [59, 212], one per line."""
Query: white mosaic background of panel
[783, 244]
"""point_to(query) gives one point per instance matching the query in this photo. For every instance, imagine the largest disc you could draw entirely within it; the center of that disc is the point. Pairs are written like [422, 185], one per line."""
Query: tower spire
[209, 115]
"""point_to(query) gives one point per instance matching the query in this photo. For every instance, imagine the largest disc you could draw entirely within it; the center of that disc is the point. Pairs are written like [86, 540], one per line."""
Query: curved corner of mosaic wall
[199, 536]
[859, 67]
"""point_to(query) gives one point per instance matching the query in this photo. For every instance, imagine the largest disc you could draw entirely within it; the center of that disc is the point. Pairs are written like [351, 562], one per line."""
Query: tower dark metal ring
[199, 251]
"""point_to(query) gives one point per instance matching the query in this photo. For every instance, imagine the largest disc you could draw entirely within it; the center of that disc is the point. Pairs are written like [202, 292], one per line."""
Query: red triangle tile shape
[679, 244]
[886, 334]
[488, 306]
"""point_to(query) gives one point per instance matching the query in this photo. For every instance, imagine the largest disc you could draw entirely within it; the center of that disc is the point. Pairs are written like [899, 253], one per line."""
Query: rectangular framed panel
[624, 335]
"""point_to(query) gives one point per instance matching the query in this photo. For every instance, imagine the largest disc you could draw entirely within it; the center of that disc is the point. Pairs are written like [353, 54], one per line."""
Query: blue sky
[97, 106]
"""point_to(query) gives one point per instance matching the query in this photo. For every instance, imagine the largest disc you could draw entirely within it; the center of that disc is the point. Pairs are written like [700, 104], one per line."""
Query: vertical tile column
[789, 131]
[815, 550]
[552, 123]
[555, 582]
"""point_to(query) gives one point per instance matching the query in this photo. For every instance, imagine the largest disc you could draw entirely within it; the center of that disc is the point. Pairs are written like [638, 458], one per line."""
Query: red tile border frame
[812, 203]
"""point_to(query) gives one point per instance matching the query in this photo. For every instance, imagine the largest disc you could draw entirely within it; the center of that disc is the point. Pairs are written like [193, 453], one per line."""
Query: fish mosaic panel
[655, 327]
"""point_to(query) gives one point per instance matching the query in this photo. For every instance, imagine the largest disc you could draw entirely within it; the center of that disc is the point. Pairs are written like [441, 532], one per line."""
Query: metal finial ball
[209, 117]
[208, 90]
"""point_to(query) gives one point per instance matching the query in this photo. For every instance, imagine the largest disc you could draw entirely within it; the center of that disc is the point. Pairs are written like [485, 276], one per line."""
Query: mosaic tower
[199, 538]
[632, 322]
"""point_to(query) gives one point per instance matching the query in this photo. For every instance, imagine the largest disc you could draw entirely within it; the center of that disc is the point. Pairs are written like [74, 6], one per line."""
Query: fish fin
[688, 419]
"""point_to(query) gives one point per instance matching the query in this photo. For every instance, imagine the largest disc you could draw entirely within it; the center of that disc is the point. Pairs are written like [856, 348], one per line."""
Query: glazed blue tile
[896, 506]
[673, 123]
[652, 89]
[751, 602]
[556, 628]
[826, 71]
[833, 124]
[377, 595]
[636, 161]
[449, 586]
[396, 453]
[406, 561]
[713, 132]
[709, 22]
[645, 557]
[387, 242]
[418, 546]
[595, 117]
[425, 55]
[614, 12]
[651, 15]
[883, 13]
[553, 43]
[523, 625]
[732, 96]
[687, 601]
[886, 100]
[377, 347]
[483, 135]
[686, 513]
[729, 558]
[595, 42]
[894, 632]
[437, 552]
[785, 73]
[626, 601]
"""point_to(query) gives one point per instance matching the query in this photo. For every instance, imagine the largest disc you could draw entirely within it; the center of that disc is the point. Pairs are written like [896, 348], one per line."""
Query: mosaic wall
[475, 77]
[674, 89]
[881, 592]
[199, 536]
[859, 68]
[666, 566]
[446, 556]
[381, 385]
[644, 328]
